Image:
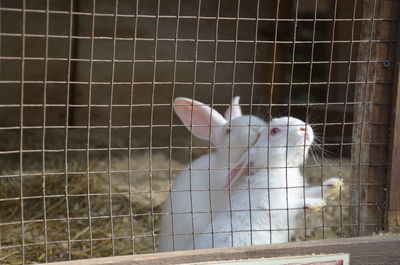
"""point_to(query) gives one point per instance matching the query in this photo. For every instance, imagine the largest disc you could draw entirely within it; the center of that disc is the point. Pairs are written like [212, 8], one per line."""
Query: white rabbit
[267, 190]
[200, 189]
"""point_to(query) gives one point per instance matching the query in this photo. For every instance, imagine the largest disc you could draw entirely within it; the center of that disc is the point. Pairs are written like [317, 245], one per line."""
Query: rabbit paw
[332, 187]
[315, 203]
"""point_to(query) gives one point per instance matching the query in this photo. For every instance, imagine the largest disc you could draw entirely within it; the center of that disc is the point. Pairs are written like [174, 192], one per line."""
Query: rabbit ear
[233, 110]
[198, 118]
[244, 167]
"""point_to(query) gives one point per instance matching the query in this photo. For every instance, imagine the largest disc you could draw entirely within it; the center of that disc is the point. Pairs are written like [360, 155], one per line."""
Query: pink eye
[275, 131]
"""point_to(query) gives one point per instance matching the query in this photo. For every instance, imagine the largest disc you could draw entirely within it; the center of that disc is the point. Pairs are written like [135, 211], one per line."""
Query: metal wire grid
[49, 247]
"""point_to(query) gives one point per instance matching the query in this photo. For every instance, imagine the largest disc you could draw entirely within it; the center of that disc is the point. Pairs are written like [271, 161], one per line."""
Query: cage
[91, 144]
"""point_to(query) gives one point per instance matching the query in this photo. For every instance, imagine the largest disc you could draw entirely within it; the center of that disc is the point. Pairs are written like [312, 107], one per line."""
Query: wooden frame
[380, 249]
[393, 197]
[375, 106]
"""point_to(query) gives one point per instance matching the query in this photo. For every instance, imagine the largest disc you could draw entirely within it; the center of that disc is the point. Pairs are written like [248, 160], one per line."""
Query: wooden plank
[370, 118]
[393, 214]
[34, 70]
[381, 249]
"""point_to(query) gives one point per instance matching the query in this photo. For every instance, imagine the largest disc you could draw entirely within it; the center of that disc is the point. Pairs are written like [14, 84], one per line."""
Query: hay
[143, 200]
[150, 181]
[332, 221]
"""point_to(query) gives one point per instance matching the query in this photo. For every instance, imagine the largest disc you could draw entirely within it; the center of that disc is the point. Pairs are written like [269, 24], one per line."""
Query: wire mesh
[91, 146]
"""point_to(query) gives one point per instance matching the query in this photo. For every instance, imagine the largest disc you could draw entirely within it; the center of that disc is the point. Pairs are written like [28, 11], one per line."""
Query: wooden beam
[372, 116]
[381, 249]
[393, 213]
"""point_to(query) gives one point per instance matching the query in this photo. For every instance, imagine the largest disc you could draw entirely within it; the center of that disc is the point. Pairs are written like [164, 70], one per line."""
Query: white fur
[219, 201]
[200, 189]
[265, 205]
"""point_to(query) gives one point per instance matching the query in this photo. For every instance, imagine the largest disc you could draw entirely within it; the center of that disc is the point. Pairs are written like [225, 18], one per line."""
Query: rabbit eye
[275, 131]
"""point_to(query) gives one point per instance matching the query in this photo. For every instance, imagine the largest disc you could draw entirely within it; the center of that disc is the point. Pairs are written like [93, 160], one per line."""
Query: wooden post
[393, 213]
[372, 97]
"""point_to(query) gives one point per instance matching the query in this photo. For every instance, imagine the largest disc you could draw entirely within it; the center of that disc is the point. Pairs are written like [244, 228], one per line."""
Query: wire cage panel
[92, 145]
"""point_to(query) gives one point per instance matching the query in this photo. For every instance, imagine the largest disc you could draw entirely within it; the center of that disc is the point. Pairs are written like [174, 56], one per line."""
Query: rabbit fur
[252, 189]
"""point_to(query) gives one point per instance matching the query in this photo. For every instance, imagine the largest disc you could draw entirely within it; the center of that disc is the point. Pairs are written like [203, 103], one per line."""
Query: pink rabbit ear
[233, 110]
[198, 118]
[244, 167]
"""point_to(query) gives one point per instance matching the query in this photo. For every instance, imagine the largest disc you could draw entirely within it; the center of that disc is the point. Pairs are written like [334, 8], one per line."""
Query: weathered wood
[41, 92]
[381, 249]
[393, 214]
[371, 119]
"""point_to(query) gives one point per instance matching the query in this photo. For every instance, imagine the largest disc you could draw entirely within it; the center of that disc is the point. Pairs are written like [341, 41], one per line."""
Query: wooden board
[372, 117]
[381, 249]
[393, 215]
